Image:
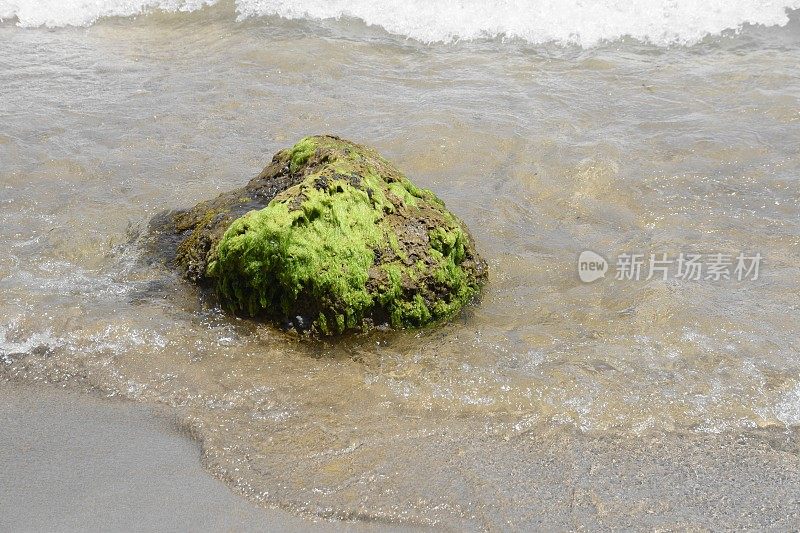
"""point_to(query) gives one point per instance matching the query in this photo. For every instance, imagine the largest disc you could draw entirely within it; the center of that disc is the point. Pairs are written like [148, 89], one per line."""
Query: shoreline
[72, 461]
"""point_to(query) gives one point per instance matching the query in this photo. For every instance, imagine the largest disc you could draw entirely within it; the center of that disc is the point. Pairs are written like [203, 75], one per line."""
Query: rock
[330, 237]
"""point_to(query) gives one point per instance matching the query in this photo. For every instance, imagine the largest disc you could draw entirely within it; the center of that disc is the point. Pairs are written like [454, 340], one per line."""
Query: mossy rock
[330, 237]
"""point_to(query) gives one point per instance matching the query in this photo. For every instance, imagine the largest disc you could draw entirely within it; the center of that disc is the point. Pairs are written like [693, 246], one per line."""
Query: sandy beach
[73, 462]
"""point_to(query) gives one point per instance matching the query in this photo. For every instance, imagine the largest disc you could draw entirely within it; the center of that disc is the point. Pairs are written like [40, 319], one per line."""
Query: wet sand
[75, 462]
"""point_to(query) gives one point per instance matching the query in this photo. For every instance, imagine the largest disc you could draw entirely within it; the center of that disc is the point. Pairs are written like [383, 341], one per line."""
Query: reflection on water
[543, 152]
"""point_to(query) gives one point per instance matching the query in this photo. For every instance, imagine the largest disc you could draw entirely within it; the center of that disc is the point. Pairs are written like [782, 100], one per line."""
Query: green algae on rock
[331, 237]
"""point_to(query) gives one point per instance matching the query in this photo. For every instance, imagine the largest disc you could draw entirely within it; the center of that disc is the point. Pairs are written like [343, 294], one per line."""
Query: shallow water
[544, 150]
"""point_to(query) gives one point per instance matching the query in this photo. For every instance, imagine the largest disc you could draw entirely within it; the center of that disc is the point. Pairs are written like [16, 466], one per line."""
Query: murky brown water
[543, 151]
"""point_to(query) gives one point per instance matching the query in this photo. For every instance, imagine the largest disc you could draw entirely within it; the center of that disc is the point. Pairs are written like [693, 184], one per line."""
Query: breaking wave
[580, 22]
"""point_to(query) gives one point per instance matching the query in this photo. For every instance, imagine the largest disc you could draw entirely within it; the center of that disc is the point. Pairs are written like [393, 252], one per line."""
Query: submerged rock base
[330, 237]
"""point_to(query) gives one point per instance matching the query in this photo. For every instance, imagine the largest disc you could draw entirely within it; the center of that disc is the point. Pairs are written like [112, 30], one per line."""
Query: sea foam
[581, 22]
[56, 13]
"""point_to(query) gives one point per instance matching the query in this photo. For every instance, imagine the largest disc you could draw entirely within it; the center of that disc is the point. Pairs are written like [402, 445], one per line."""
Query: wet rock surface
[329, 237]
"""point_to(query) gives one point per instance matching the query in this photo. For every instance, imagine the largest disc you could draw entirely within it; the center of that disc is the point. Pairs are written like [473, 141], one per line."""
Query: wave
[580, 22]
[57, 13]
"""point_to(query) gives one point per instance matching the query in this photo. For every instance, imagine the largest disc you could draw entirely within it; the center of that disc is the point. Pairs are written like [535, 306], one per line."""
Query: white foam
[55, 13]
[26, 345]
[581, 22]
[788, 410]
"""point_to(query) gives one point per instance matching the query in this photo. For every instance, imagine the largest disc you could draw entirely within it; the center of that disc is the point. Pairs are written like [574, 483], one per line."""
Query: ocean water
[550, 128]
